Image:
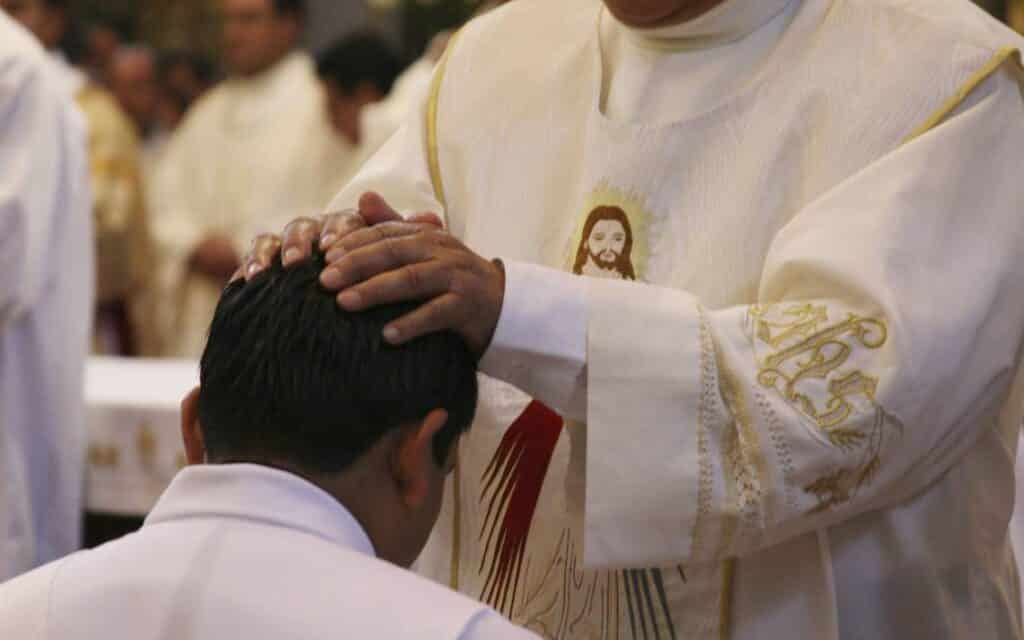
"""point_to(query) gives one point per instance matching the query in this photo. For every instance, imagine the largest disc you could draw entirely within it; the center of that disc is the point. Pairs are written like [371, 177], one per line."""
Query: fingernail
[328, 240]
[330, 278]
[291, 255]
[334, 254]
[350, 300]
[252, 271]
[391, 334]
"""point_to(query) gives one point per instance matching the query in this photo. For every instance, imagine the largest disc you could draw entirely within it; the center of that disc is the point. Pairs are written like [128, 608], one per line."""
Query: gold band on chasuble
[433, 159]
[965, 90]
[434, 166]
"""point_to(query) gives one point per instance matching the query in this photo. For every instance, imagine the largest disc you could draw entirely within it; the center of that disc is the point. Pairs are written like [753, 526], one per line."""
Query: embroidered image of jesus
[606, 245]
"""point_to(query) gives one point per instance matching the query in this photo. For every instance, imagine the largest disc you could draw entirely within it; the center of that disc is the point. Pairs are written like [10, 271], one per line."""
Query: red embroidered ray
[513, 481]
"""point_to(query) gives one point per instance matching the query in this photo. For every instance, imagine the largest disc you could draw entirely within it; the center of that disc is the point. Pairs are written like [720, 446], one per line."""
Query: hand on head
[377, 257]
[292, 381]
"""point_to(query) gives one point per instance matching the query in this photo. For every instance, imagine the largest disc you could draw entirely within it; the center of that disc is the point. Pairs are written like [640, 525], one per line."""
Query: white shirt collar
[258, 493]
[729, 22]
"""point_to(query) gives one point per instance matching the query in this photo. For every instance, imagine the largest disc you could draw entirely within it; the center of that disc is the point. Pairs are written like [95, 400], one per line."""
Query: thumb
[375, 210]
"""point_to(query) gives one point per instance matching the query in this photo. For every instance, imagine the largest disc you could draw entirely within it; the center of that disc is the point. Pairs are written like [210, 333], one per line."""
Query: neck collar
[729, 22]
[262, 494]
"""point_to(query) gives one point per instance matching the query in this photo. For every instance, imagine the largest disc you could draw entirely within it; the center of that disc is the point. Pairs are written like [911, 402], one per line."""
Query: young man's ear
[191, 433]
[413, 464]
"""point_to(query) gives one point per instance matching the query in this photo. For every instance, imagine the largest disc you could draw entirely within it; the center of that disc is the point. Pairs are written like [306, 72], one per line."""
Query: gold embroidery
[811, 352]
[709, 384]
[817, 356]
[104, 456]
[964, 91]
[743, 451]
[146, 445]
[433, 158]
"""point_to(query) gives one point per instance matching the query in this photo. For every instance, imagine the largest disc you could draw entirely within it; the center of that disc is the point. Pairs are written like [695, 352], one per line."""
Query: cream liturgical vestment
[45, 306]
[762, 319]
[250, 151]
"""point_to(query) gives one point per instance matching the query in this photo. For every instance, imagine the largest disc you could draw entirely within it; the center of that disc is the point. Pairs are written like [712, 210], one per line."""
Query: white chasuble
[753, 374]
[251, 151]
[46, 307]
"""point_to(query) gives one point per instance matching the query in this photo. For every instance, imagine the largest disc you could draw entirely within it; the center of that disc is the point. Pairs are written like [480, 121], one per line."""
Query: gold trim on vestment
[434, 165]
[433, 160]
[964, 91]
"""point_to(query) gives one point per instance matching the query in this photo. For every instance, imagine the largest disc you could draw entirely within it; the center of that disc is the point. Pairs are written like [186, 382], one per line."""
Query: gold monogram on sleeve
[812, 362]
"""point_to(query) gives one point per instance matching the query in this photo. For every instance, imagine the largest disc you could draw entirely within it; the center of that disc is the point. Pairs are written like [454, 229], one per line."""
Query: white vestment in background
[788, 412]
[46, 297]
[249, 152]
[240, 551]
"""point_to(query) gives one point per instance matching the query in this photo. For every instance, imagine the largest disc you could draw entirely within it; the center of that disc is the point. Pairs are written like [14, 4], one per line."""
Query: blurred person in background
[134, 81]
[254, 147]
[122, 240]
[103, 38]
[358, 72]
[186, 75]
[45, 307]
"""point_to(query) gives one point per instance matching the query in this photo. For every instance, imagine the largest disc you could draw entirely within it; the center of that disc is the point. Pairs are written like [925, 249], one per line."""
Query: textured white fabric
[250, 151]
[45, 307]
[239, 551]
[778, 215]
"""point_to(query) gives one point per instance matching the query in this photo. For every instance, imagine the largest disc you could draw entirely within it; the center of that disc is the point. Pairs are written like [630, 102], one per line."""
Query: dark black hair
[289, 377]
[294, 8]
[358, 58]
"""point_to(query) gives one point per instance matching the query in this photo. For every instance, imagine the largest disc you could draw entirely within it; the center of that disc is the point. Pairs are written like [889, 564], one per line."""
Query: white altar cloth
[134, 432]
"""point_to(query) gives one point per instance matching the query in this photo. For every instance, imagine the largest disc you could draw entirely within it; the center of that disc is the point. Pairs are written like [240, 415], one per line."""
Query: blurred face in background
[256, 36]
[45, 22]
[345, 109]
[184, 80]
[645, 14]
[133, 79]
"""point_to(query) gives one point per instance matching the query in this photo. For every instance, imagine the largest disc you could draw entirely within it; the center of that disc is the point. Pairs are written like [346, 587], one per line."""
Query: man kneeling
[314, 447]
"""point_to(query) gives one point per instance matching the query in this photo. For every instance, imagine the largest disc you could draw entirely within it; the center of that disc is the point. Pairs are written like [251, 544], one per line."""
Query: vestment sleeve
[42, 152]
[884, 340]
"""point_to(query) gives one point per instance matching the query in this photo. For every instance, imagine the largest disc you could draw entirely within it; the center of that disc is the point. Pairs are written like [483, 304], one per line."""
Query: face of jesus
[657, 13]
[606, 243]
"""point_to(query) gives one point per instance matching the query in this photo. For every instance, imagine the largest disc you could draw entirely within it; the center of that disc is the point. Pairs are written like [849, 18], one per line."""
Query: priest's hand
[376, 257]
[215, 257]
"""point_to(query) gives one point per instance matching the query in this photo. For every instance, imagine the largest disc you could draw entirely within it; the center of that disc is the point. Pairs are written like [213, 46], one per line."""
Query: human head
[290, 380]
[356, 71]
[657, 13]
[133, 80]
[259, 33]
[607, 240]
[46, 19]
[186, 75]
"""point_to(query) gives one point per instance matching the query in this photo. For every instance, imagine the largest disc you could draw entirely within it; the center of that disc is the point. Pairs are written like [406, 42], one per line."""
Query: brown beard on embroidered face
[605, 260]
[657, 13]
[606, 243]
